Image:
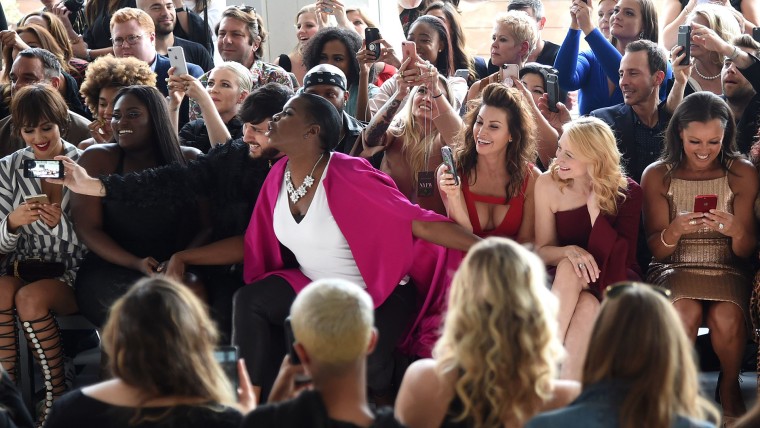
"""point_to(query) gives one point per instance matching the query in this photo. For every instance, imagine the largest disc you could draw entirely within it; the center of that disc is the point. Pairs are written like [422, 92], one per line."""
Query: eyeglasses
[131, 40]
[617, 289]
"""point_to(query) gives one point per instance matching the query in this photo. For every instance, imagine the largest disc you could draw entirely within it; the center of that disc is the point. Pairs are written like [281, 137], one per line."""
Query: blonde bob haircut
[500, 335]
[522, 27]
[594, 142]
[160, 340]
[243, 75]
[333, 320]
[638, 338]
[127, 14]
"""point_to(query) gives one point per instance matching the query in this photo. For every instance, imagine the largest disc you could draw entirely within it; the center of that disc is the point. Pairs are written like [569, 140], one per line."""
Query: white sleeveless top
[317, 242]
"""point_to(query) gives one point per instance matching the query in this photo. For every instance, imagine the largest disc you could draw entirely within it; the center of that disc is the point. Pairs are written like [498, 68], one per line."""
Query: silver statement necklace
[702, 75]
[308, 181]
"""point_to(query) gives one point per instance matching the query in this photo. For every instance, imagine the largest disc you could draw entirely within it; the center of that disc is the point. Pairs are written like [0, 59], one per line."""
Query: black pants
[260, 309]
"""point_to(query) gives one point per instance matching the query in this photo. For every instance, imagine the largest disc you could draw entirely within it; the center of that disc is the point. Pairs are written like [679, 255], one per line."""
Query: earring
[641, 35]
[305, 136]
[510, 140]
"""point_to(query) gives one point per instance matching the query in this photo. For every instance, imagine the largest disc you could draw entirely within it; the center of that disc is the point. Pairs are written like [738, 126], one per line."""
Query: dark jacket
[199, 32]
[195, 53]
[195, 134]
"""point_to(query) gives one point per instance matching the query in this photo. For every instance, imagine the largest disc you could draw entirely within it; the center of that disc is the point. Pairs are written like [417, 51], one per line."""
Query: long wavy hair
[177, 357]
[462, 60]
[419, 138]
[521, 151]
[47, 42]
[56, 29]
[638, 339]
[594, 142]
[164, 135]
[500, 335]
[699, 107]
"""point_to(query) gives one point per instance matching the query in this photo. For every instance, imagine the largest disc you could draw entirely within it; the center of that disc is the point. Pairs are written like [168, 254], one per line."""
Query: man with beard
[229, 178]
[164, 17]
[740, 79]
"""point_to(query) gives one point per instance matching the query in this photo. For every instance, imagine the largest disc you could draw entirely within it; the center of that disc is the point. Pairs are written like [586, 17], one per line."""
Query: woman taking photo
[700, 251]
[42, 252]
[168, 378]
[127, 242]
[412, 138]
[640, 369]
[495, 362]
[227, 86]
[104, 77]
[587, 225]
[595, 72]
[493, 195]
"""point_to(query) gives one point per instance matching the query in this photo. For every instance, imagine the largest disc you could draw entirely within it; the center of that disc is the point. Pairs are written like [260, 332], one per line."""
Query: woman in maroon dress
[587, 223]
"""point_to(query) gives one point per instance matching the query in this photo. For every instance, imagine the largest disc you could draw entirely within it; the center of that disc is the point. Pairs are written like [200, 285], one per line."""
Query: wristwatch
[180, 9]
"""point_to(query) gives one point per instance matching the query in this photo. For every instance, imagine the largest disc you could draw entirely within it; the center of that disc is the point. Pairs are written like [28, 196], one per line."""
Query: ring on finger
[581, 265]
[721, 226]
[692, 222]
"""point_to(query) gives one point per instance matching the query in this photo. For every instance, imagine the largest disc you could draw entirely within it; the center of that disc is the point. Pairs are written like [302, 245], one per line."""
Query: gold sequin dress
[703, 266]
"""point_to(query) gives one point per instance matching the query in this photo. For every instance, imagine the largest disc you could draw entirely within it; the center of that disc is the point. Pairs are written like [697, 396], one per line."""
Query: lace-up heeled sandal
[9, 342]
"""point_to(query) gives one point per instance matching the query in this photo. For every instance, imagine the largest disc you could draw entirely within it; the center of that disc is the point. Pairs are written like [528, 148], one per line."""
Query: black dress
[78, 410]
[98, 35]
[156, 232]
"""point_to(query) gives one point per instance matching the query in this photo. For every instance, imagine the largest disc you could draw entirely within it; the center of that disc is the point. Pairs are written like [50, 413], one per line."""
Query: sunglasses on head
[615, 290]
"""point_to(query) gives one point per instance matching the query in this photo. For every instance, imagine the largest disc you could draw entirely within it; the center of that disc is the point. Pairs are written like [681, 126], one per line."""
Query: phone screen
[227, 357]
[34, 168]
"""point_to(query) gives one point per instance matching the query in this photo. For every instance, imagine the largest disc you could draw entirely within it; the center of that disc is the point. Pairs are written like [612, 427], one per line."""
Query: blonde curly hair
[500, 335]
[593, 141]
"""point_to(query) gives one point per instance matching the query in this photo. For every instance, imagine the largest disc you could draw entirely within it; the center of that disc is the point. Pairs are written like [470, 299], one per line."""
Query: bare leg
[8, 336]
[567, 287]
[690, 312]
[728, 333]
[578, 336]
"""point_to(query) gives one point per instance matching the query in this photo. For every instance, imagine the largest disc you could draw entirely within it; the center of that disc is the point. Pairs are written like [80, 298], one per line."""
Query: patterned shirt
[36, 240]
[262, 72]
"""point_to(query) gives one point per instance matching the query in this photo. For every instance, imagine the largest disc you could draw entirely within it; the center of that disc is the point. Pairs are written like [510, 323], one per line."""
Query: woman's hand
[335, 8]
[429, 76]
[99, 131]
[709, 39]
[366, 58]
[285, 386]
[62, 12]
[686, 222]
[148, 266]
[387, 54]
[174, 268]
[583, 262]
[246, 393]
[50, 214]
[555, 119]
[681, 73]
[406, 77]
[723, 222]
[582, 13]
[77, 180]
[448, 185]
[11, 40]
[23, 214]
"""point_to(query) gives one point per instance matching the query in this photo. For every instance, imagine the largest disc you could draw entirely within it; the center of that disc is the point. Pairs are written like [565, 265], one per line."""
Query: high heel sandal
[50, 357]
[10, 362]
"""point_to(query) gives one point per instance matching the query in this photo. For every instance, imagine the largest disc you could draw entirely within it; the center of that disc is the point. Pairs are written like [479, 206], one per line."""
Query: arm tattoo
[381, 122]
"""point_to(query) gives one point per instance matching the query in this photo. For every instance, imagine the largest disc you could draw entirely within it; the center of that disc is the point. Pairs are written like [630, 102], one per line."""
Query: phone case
[177, 60]
[372, 34]
[408, 50]
[290, 340]
[448, 160]
[705, 203]
[552, 88]
[684, 39]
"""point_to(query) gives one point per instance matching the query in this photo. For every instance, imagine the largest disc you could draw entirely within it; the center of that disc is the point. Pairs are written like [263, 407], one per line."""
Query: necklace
[702, 75]
[308, 181]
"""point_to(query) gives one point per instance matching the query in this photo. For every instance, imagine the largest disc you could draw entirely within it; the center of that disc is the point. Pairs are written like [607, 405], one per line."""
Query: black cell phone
[684, 39]
[227, 357]
[34, 168]
[290, 340]
[448, 160]
[756, 34]
[552, 88]
[372, 34]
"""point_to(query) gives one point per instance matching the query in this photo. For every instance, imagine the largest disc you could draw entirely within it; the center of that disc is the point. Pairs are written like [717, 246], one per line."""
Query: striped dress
[36, 240]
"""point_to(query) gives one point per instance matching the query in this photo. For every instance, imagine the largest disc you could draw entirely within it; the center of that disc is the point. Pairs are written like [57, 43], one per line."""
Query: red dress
[612, 240]
[510, 226]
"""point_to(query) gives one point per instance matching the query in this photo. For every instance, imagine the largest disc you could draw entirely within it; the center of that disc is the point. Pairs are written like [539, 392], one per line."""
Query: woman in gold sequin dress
[699, 256]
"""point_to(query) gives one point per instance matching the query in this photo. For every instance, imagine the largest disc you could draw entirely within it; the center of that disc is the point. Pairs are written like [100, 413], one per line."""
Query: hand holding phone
[448, 160]
[552, 89]
[756, 34]
[509, 73]
[37, 199]
[177, 60]
[227, 357]
[684, 40]
[705, 203]
[371, 35]
[409, 50]
[34, 168]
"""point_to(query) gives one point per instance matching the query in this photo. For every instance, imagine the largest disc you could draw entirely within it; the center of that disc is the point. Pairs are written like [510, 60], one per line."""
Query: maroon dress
[612, 239]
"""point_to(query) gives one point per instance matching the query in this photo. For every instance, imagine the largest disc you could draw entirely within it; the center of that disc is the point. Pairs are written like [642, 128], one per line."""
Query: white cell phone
[36, 199]
[463, 73]
[177, 60]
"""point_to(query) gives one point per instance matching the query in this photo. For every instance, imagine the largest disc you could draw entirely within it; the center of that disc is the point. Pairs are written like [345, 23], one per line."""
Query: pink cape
[376, 220]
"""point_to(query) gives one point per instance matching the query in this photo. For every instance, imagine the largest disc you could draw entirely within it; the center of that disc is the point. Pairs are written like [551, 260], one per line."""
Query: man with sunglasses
[134, 34]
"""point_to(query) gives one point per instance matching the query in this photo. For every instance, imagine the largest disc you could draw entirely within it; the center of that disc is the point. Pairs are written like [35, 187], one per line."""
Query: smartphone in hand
[684, 39]
[371, 35]
[37, 199]
[409, 50]
[552, 88]
[756, 34]
[177, 60]
[705, 203]
[448, 160]
[227, 357]
[509, 73]
[35, 168]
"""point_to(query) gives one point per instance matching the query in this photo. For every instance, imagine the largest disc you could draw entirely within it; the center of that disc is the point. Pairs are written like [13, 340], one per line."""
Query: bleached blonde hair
[500, 335]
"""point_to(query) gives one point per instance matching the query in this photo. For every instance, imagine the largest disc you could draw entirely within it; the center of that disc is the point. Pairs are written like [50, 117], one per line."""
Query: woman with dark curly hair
[104, 77]
[126, 241]
[338, 46]
[494, 193]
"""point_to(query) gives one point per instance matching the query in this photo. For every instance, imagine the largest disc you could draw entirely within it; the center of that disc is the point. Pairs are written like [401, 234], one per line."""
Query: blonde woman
[306, 26]
[166, 378]
[587, 223]
[495, 362]
[640, 370]
[411, 137]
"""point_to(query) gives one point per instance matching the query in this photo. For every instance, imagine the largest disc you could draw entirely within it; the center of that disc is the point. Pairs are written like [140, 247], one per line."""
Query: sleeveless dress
[703, 267]
[145, 232]
[510, 226]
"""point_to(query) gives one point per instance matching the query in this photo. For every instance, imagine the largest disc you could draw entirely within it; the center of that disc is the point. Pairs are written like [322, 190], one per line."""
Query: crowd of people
[531, 239]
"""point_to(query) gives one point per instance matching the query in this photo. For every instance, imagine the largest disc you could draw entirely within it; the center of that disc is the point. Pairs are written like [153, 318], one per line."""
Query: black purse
[32, 270]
